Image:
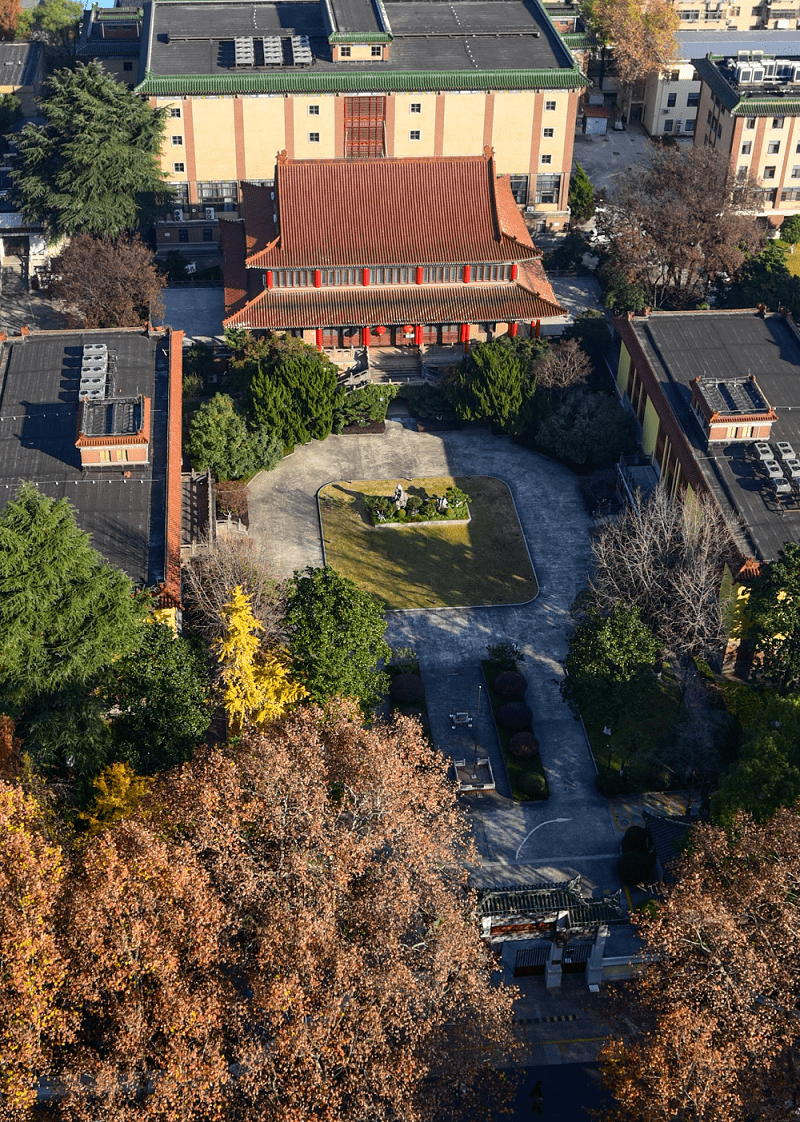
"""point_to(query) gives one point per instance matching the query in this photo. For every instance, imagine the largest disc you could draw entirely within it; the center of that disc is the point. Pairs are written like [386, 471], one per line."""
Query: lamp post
[475, 746]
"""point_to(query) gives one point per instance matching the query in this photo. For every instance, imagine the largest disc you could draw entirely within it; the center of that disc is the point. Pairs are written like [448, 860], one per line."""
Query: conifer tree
[93, 168]
[258, 686]
[65, 613]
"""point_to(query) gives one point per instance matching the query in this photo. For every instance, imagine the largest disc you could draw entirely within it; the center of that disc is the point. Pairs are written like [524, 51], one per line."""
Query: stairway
[394, 364]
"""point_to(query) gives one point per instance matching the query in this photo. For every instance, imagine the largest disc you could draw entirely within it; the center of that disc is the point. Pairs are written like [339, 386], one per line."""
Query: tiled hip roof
[376, 305]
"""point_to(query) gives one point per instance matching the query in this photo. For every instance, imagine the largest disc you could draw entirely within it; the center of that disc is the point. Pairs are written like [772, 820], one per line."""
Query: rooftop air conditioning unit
[211, 213]
[177, 214]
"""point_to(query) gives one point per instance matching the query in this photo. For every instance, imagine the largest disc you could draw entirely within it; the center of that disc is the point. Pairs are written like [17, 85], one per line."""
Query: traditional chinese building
[382, 252]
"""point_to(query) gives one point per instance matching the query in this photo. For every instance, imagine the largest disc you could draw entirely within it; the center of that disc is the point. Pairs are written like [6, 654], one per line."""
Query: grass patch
[793, 260]
[484, 562]
[636, 736]
[517, 769]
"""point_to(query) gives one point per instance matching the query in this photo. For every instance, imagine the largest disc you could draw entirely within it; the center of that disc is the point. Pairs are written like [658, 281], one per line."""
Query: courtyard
[485, 561]
[573, 831]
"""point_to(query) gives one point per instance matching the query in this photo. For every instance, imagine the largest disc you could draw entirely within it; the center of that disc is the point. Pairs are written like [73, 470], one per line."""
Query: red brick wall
[172, 583]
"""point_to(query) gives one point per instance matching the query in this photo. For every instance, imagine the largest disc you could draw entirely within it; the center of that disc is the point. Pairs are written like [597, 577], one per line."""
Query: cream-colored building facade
[426, 78]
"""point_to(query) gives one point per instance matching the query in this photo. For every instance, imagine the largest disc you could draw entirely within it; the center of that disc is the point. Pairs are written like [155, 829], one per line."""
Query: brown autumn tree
[712, 1024]
[642, 34]
[9, 18]
[211, 576]
[283, 932]
[106, 282]
[681, 223]
[563, 365]
[32, 1020]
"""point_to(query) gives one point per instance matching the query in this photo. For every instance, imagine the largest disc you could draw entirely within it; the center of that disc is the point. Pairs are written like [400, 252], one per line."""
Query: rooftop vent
[301, 50]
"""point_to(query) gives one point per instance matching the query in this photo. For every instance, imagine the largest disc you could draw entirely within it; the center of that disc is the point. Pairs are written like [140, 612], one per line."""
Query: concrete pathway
[451, 642]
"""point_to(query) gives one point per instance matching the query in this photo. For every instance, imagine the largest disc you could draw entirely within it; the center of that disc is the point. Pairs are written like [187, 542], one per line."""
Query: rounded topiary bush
[514, 716]
[523, 745]
[407, 688]
[534, 785]
[609, 783]
[510, 683]
[638, 839]
[635, 867]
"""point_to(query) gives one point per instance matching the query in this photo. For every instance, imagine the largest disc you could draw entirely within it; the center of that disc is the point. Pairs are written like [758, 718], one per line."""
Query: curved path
[451, 642]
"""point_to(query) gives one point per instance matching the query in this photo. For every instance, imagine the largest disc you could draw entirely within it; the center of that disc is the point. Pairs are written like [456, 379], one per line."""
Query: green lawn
[407, 566]
[793, 260]
[635, 735]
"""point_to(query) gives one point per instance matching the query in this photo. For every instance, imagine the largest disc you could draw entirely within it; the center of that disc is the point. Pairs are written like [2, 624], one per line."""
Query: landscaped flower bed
[416, 508]
[407, 690]
[513, 720]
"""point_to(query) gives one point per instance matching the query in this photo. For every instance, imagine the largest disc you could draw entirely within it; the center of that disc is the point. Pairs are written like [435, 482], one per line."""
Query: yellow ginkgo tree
[119, 792]
[258, 687]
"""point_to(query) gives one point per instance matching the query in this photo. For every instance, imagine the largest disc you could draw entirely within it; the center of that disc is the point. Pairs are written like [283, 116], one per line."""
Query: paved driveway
[451, 642]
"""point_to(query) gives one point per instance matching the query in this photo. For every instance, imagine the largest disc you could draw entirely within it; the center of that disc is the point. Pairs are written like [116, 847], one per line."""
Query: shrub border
[503, 735]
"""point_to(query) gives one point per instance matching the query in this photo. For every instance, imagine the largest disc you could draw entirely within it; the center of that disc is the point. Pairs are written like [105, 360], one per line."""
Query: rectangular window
[127, 66]
[344, 52]
[415, 107]
[689, 126]
[669, 124]
[519, 188]
[178, 167]
[548, 188]
[769, 173]
[692, 100]
[218, 193]
[547, 159]
[790, 194]
[313, 138]
[742, 171]
[774, 147]
[671, 99]
[105, 456]
[313, 111]
[183, 235]
[691, 16]
[747, 148]
[414, 134]
[796, 172]
[122, 454]
[777, 122]
[177, 141]
[708, 118]
[208, 234]
[550, 106]
[180, 194]
[377, 51]
[548, 132]
[751, 123]
[174, 110]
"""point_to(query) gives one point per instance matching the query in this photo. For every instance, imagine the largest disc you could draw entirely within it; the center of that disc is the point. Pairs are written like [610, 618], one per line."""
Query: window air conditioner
[211, 213]
[177, 214]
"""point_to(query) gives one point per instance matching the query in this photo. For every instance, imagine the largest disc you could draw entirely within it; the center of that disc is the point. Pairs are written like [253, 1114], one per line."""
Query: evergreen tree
[336, 637]
[65, 613]
[581, 195]
[488, 385]
[292, 389]
[162, 690]
[610, 660]
[790, 229]
[773, 612]
[220, 442]
[93, 167]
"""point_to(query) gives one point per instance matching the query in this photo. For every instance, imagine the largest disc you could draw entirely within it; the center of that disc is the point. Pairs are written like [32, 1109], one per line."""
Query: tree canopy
[610, 658]
[581, 195]
[304, 890]
[711, 1025]
[106, 282]
[642, 34]
[584, 429]
[93, 167]
[291, 389]
[55, 21]
[336, 637]
[65, 613]
[679, 223]
[220, 442]
[773, 613]
[488, 385]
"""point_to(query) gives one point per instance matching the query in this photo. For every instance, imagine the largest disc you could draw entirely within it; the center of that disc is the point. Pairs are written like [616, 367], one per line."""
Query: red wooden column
[418, 334]
[512, 329]
[514, 271]
[317, 278]
[467, 274]
[269, 279]
[365, 335]
[464, 333]
[365, 276]
[319, 338]
[419, 274]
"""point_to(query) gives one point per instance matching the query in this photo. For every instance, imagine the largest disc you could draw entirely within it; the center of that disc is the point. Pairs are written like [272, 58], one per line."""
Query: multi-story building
[372, 253]
[749, 109]
[324, 79]
[717, 15]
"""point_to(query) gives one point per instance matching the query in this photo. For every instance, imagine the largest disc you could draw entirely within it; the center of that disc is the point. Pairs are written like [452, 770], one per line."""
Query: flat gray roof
[696, 44]
[681, 346]
[433, 35]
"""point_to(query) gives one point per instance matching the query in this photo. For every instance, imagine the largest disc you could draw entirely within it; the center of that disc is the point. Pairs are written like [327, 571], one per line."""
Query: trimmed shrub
[634, 867]
[407, 688]
[534, 785]
[523, 745]
[638, 839]
[510, 683]
[514, 716]
[609, 783]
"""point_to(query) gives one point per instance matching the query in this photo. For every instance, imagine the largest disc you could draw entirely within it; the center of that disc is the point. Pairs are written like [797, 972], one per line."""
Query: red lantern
[380, 330]
[408, 329]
